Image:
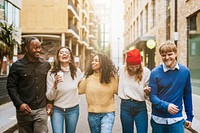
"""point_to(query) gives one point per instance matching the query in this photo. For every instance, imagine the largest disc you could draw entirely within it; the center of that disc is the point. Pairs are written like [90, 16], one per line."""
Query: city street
[83, 127]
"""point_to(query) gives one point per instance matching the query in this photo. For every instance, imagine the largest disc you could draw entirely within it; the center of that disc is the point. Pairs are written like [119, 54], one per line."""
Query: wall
[4, 97]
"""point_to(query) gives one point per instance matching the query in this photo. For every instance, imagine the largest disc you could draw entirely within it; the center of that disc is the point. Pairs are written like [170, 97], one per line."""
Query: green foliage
[8, 38]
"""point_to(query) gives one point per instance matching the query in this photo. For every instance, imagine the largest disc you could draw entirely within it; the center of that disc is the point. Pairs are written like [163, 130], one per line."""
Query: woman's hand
[49, 109]
[58, 79]
[147, 90]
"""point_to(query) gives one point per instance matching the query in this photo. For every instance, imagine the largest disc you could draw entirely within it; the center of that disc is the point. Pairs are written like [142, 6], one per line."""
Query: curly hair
[107, 68]
[72, 67]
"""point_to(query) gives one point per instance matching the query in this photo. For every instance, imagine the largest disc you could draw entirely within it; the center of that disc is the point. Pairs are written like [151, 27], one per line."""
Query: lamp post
[118, 52]
[151, 53]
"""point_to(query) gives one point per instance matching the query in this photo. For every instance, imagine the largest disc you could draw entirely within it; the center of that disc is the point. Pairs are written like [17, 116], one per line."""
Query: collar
[65, 69]
[26, 61]
[165, 68]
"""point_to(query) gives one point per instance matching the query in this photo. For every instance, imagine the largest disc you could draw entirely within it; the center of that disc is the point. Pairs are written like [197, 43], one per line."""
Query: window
[11, 14]
[1, 9]
[193, 23]
[147, 18]
[153, 13]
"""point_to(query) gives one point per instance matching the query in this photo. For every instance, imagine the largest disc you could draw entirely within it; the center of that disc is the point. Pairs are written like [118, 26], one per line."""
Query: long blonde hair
[139, 73]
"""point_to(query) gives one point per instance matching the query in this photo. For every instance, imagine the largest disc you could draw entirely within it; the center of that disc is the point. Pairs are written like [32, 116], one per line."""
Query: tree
[8, 40]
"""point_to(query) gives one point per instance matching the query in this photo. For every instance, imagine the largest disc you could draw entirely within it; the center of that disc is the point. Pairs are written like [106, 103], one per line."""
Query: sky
[117, 29]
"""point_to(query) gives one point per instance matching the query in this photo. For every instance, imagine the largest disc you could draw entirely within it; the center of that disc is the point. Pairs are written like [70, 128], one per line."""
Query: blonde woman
[133, 81]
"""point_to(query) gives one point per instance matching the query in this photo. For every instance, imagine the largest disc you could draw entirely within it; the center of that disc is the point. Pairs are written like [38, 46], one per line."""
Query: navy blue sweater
[173, 86]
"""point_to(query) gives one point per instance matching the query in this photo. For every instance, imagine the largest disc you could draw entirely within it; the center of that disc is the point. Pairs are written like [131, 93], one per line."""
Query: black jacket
[26, 82]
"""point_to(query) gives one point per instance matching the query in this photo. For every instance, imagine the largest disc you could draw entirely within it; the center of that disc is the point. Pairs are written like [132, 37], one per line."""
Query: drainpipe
[175, 21]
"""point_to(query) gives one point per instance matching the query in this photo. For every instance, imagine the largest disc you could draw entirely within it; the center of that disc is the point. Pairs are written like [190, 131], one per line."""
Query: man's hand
[188, 124]
[25, 109]
[49, 109]
[173, 109]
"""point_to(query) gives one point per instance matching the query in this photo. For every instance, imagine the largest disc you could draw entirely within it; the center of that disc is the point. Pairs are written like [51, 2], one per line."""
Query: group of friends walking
[38, 90]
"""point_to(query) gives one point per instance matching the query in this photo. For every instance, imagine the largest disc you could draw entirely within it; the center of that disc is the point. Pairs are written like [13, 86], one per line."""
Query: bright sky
[117, 29]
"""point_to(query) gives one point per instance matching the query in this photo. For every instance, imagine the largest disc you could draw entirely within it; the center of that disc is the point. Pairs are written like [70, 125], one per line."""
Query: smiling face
[33, 50]
[96, 64]
[168, 52]
[169, 59]
[64, 56]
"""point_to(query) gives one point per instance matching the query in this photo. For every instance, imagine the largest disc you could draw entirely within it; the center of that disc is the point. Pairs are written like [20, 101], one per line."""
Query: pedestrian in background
[99, 85]
[171, 86]
[133, 87]
[62, 82]
[26, 86]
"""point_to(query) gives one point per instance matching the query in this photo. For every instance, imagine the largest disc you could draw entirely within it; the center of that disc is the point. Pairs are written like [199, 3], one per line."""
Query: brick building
[160, 20]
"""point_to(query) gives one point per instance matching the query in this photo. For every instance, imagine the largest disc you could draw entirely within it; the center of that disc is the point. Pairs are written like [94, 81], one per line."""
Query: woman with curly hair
[99, 85]
[133, 87]
[62, 82]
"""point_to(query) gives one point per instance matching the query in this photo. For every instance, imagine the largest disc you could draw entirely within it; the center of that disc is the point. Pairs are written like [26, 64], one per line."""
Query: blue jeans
[68, 115]
[163, 128]
[36, 122]
[130, 112]
[101, 122]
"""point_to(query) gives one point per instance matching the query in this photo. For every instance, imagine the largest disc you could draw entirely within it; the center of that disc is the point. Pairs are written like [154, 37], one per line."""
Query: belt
[65, 109]
[132, 100]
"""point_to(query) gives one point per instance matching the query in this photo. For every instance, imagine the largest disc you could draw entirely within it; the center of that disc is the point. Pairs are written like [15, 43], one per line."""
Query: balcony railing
[72, 4]
[85, 39]
[73, 27]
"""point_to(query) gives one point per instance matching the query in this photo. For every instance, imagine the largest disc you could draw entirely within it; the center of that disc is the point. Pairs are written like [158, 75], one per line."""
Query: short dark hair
[27, 40]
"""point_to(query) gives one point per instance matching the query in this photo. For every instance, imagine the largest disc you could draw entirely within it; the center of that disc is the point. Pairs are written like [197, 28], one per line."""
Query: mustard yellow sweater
[99, 96]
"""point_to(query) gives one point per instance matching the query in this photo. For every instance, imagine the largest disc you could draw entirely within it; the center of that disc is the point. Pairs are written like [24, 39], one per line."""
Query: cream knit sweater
[66, 94]
[99, 96]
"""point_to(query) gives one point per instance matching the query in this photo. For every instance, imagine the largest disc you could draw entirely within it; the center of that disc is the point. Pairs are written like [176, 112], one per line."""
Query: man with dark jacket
[26, 86]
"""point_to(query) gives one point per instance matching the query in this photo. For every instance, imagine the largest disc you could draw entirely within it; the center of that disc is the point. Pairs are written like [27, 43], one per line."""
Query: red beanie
[133, 57]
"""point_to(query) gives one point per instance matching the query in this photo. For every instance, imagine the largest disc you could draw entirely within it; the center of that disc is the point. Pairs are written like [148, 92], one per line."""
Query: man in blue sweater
[170, 87]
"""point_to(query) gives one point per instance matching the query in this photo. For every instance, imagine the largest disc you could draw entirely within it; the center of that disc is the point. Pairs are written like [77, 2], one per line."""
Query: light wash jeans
[36, 122]
[131, 112]
[101, 122]
[163, 128]
[69, 116]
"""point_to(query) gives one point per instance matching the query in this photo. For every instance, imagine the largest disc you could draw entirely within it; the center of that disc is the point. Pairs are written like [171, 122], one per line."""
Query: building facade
[59, 23]
[159, 20]
[10, 14]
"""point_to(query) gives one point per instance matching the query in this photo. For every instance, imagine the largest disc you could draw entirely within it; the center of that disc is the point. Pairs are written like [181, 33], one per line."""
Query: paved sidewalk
[8, 119]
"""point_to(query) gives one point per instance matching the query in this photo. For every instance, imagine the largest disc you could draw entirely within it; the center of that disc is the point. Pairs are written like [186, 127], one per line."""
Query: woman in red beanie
[133, 87]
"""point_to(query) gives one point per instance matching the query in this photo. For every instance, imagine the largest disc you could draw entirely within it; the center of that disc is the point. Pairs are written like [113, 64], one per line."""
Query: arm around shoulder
[82, 86]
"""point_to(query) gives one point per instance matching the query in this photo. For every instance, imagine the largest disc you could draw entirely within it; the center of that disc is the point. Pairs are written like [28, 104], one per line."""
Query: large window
[1, 9]
[11, 14]
[194, 51]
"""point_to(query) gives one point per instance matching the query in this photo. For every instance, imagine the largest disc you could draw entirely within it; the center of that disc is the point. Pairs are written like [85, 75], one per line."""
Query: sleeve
[12, 86]
[79, 74]
[146, 76]
[51, 92]
[82, 86]
[155, 100]
[187, 98]
[115, 85]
